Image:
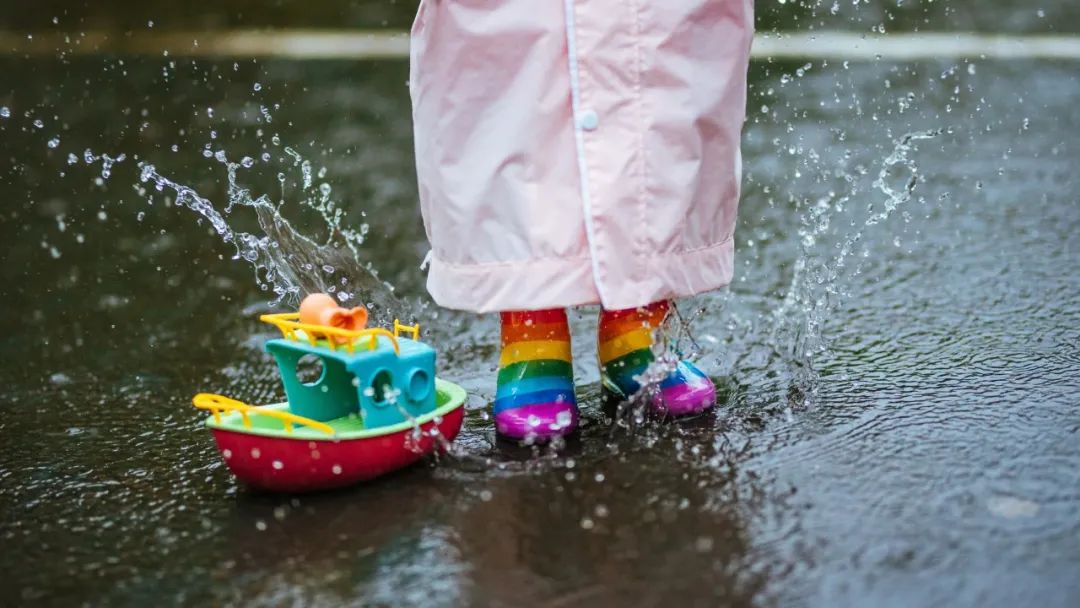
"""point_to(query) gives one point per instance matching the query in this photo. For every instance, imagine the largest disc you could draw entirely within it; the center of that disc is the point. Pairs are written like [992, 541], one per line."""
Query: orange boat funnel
[322, 309]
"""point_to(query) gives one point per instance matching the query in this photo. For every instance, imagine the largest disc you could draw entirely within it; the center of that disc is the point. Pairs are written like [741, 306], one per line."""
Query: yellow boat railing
[217, 404]
[412, 329]
[292, 329]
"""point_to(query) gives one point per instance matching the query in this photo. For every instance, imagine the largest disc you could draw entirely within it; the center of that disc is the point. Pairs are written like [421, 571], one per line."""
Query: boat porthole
[419, 385]
[310, 370]
[381, 382]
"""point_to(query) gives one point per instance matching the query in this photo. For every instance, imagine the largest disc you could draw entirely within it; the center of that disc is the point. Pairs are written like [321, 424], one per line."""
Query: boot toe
[542, 421]
[688, 391]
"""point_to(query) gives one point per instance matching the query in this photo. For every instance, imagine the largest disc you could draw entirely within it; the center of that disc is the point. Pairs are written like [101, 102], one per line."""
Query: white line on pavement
[344, 44]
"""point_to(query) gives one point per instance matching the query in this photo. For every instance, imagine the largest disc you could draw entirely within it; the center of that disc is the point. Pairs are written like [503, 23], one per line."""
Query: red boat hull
[302, 465]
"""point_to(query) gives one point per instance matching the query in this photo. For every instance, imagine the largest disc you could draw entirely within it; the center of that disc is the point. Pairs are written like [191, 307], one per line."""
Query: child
[579, 152]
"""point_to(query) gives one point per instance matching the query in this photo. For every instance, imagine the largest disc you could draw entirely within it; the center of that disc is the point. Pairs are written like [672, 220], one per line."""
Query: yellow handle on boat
[217, 404]
[288, 323]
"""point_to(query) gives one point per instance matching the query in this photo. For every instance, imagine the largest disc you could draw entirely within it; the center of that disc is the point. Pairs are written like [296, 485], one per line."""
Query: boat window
[382, 384]
[310, 370]
[419, 385]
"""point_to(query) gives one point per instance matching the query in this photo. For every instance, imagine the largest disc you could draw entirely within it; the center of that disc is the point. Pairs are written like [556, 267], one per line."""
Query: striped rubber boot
[625, 344]
[535, 398]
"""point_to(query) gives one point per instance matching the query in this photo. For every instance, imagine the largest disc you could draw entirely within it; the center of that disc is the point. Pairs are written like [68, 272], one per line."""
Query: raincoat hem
[564, 282]
[526, 285]
[678, 274]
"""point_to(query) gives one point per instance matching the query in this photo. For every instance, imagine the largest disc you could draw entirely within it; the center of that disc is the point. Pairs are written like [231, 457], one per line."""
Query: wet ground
[900, 368]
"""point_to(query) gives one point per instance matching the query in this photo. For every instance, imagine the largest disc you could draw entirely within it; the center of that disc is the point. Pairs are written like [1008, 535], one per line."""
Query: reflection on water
[899, 419]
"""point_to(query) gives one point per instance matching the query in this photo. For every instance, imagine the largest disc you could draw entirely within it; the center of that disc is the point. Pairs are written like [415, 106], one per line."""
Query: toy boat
[376, 407]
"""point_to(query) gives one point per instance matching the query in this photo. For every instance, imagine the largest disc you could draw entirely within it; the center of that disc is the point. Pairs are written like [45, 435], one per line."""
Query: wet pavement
[898, 358]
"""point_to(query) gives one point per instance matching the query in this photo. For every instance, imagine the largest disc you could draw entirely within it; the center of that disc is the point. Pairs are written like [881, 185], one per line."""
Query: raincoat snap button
[589, 120]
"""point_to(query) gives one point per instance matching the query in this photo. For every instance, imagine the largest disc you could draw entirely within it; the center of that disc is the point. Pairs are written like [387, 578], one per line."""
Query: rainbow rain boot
[535, 398]
[625, 349]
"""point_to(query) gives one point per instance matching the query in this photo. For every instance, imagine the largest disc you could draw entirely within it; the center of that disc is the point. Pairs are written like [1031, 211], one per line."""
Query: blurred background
[998, 16]
[898, 353]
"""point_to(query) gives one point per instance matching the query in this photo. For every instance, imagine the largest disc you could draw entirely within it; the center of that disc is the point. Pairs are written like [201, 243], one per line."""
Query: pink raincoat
[578, 151]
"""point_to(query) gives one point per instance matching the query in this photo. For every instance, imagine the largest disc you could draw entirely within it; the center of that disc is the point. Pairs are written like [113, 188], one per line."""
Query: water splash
[816, 288]
[287, 262]
[794, 332]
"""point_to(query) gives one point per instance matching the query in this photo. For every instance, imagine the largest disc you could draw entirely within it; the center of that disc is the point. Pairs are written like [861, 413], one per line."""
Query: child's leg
[535, 397]
[625, 344]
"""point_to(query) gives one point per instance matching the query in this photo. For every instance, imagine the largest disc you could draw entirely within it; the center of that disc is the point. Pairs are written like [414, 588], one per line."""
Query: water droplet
[563, 419]
[5, 112]
[257, 87]
[39, 123]
[54, 142]
[247, 162]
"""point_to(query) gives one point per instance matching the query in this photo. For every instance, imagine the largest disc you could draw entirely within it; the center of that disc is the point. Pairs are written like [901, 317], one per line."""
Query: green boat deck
[448, 397]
